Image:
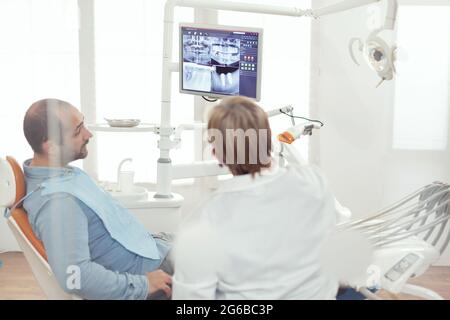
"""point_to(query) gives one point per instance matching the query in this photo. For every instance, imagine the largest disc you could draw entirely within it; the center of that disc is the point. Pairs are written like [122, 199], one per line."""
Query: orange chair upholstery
[32, 247]
[19, 214]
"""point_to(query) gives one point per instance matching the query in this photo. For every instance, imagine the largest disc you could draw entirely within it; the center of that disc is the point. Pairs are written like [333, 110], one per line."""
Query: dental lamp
[377, 53]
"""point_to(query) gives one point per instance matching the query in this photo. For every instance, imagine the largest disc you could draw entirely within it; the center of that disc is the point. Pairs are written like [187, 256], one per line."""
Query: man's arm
[63, 228]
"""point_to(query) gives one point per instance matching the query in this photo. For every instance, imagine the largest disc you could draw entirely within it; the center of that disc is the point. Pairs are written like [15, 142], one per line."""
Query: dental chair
[12, 190]
[406, 237]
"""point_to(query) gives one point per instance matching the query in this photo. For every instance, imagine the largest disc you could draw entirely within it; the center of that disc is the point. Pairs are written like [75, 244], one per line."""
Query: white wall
[354, 149]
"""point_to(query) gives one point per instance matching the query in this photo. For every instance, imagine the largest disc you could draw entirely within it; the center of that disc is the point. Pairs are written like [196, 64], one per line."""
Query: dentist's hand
[159, 280]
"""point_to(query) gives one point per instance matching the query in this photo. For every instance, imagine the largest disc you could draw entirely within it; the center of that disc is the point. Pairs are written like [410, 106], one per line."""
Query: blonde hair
[239, 120]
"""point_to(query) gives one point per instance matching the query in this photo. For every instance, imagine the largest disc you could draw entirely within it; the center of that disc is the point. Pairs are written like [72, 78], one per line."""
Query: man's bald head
[45, 120]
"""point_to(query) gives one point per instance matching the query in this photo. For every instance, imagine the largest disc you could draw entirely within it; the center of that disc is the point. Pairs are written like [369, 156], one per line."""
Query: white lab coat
[258, 238]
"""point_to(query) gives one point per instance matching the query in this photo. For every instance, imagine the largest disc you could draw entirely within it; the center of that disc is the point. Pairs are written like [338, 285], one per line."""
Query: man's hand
[159, 280]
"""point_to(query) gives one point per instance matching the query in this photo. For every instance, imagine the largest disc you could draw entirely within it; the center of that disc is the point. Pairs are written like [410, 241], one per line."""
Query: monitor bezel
[227, 28]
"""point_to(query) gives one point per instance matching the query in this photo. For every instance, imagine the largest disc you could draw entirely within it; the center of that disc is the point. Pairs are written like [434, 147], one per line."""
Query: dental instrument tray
[123, 123]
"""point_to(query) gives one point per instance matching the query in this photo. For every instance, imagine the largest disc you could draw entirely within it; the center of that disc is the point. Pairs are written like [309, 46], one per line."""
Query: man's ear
[46, 145]
[50, 148]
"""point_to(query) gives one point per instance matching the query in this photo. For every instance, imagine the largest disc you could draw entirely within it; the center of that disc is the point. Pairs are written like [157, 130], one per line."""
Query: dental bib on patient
[121, 225]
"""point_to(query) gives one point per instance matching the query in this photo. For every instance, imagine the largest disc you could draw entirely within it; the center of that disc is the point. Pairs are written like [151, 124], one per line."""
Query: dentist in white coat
[259, 235]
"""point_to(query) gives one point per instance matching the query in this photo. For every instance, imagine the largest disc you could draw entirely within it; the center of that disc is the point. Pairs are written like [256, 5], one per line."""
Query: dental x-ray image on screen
[220, 61]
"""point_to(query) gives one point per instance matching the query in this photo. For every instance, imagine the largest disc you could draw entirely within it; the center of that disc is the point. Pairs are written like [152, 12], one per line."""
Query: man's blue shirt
[73, 235]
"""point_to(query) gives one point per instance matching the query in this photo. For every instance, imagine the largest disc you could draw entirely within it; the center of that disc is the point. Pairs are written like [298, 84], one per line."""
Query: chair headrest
[12, 182]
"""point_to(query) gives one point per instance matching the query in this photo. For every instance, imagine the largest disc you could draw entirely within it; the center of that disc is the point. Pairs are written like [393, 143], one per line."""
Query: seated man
[94, 246]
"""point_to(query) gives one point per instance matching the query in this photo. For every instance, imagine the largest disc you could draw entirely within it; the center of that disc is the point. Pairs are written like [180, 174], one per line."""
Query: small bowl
[138, 194]
[124, 123]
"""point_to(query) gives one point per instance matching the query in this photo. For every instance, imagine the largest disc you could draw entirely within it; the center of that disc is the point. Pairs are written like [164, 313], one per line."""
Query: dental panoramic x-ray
[220, 61]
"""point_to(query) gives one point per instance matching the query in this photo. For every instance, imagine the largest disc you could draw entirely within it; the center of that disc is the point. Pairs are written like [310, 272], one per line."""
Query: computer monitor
[220, 61]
